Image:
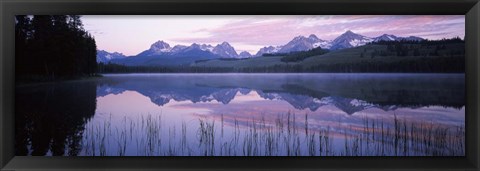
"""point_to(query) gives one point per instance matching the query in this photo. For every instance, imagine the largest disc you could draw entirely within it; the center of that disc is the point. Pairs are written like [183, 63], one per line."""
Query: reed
[282, 136]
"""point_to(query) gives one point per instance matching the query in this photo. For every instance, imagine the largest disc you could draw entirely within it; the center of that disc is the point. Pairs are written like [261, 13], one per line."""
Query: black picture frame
[9, 8]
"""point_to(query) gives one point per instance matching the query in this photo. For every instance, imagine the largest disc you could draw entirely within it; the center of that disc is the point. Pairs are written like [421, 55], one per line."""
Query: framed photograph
[239, 85]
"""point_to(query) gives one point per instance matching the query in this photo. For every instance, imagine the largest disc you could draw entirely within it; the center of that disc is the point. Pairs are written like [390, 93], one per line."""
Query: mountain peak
[244, 54]
[268, 49]
[350, 33]
[302, 43]
[350, 39]
[391, 37]
[313, 36]
[225, 50]
[160, 46]
[104, 56]
[160, 43]
[299, 38]
[225, 44]
[386, 37]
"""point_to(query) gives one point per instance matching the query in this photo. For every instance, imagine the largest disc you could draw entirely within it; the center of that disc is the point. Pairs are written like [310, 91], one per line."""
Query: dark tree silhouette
[52, 47]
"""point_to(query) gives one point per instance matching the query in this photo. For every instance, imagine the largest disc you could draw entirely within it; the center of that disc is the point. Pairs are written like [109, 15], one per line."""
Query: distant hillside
[161, 54]
[398, 56]
[441, 56]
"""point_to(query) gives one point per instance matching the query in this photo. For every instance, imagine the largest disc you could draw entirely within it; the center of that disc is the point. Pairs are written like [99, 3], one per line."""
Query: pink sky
[133, 34]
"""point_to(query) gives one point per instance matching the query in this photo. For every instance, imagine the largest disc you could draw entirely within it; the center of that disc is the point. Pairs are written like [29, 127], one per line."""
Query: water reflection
[50, 119]
[116, 114]
[350, 93]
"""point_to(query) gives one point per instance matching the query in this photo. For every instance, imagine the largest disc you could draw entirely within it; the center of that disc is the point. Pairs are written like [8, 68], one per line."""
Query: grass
[288, 134]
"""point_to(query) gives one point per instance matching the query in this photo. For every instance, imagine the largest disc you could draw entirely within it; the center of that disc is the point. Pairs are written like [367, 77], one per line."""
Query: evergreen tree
[53, 47]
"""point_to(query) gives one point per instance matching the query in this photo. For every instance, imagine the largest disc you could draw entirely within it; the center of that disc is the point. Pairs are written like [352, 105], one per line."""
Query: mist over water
[244, 115]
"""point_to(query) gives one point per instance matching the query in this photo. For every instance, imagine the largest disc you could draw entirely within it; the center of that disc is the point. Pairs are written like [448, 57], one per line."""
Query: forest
[53, 47]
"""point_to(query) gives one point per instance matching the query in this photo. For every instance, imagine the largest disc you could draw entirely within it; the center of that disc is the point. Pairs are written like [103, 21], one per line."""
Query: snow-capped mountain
[158, 48]
[347, 105]
[389, 37]
[297, 101]
[244, 54]
[302, 43]
[268, 49]
[203, 47]
[163, 48]
[178, 48]
[192, 50]
[105, 57]
[385, 37]
[225, 50]
[349, 39]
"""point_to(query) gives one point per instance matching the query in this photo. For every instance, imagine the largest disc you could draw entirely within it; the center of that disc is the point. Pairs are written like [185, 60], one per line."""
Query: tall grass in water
[286, 135]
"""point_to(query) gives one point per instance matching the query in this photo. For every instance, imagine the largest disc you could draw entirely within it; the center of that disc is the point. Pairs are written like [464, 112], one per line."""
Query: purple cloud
[275, 30]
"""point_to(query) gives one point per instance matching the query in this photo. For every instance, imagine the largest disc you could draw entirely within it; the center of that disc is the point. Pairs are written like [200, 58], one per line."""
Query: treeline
[222, 59]
[52, 47]
[300, 56]
[116, 68]
[418, 48]
[420, 65]
[424, 42]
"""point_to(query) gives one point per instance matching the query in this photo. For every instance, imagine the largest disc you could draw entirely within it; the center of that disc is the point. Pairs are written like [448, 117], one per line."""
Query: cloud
[277, 30]
[253, 32]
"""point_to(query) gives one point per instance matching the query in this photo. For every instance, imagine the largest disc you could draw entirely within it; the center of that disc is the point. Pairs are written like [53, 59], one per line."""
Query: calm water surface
[244, 115]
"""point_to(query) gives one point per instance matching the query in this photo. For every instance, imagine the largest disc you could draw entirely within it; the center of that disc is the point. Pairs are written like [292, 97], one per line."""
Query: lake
[244, 115]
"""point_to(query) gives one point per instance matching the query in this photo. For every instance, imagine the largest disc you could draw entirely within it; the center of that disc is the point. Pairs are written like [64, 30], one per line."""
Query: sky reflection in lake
[255, 114]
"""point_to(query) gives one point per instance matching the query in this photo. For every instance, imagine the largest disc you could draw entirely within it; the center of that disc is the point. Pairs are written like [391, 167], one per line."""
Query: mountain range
[162, 53]
[225, 96]
[105, 57]
[163, 48]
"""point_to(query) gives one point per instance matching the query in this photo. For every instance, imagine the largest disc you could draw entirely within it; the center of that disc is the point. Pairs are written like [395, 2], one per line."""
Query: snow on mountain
[301, 43]
[244, 54]
[162, 48]
[323, 44]
[105, 57]
[158, 48]
[347, 105]
[268, 49]
[385, 37]
[225, 50]
[194, 46]
[349, 40]
[192, 50]
[178, 48]
[206, 47]
[389, 37]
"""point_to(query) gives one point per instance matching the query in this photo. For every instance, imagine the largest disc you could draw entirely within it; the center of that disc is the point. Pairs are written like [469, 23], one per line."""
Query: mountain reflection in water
[65, 118]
